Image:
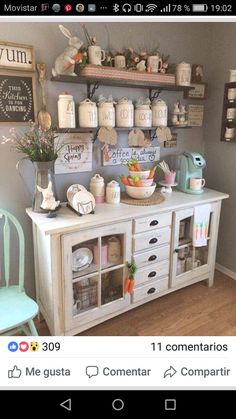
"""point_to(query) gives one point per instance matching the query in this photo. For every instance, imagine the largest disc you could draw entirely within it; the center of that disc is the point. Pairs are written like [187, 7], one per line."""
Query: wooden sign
[198, 91]
[118, 156]
[17, 98]
[17, 56]
[195, 115]
[76, 154]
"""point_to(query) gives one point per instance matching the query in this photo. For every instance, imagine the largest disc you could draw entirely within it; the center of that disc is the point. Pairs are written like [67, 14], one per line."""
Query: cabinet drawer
[151, 273]
[149, 290]
[149, 223]
[151, 239]
[152, 256]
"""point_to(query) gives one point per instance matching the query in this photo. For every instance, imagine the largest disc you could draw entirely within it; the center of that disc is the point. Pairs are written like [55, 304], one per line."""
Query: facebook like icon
[13, 346]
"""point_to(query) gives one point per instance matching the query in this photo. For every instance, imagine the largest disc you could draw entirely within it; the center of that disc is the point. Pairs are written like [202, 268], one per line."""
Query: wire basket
[86, 294]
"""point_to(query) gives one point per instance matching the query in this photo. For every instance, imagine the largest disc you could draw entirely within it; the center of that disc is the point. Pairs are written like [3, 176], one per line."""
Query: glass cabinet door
[95, 271]
[189, 260]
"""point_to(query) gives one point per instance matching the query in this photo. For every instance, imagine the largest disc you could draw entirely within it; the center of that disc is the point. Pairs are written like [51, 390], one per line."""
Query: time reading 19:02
[217, 8]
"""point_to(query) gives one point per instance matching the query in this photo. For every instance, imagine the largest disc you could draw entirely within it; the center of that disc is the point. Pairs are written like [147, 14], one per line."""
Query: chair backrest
[9, 219]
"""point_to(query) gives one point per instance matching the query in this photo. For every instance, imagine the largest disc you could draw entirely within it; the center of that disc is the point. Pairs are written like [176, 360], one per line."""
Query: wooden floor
[192, 311]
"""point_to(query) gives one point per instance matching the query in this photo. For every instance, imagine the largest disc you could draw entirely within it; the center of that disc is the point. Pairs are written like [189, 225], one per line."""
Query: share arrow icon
[171, 372]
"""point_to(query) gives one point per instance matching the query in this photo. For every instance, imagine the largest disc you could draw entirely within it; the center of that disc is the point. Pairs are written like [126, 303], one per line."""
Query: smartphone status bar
[119, 8]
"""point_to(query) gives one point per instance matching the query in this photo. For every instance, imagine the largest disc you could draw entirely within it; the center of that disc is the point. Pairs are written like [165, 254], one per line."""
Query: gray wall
[190, 42]
[221, 156]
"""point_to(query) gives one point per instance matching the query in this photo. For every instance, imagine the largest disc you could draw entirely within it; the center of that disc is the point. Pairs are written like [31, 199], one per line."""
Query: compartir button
[118, 404]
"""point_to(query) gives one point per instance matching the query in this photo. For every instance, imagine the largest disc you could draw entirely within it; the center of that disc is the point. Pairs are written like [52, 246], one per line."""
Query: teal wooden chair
[17, 310]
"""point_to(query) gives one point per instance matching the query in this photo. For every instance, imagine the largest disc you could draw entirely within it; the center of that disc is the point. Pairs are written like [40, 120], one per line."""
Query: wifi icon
[151, 7]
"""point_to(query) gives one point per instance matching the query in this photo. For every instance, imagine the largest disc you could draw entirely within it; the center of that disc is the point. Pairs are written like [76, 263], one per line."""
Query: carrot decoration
[152, 172]
[124, 180]
[130, 282]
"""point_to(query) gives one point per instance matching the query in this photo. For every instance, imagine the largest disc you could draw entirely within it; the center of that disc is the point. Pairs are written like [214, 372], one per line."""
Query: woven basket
[103, 72]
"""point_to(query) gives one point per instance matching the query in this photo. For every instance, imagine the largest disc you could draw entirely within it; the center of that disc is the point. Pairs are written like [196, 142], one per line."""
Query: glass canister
[124, 113]
[183, 74]
[114, 250]
[106, 114]
[97, 188]
[113, 192]
[66, 111]
[143, 113]
[88, 114]
[159, 113]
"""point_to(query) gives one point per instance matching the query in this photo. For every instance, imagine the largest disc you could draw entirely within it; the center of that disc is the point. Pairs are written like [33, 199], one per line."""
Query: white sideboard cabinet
[80, 262]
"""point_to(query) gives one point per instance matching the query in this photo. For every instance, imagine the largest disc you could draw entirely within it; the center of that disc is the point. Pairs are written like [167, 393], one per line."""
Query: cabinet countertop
[67, 221]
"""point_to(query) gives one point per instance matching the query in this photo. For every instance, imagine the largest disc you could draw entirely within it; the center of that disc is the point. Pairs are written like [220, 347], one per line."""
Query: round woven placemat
[156, 198]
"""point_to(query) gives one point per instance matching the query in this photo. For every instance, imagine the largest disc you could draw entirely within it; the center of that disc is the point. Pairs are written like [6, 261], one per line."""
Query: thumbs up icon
[14, 373]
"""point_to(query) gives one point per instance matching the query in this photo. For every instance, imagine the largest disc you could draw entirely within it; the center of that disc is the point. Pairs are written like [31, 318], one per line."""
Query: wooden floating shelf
[119, 83]
[81, 130]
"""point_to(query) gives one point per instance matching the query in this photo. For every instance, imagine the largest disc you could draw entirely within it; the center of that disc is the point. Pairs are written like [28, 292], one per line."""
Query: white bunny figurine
[65, 62]
[49, 202]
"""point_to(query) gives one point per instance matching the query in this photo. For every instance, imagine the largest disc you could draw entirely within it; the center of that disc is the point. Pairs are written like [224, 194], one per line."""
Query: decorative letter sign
[76, 155]
[118, 156]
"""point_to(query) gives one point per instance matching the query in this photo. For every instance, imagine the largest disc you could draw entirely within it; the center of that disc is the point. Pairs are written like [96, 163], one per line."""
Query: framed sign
[198, 91]
[17, 56]
[118, 156]
[195, 115]
[17, 98]
[76, 155]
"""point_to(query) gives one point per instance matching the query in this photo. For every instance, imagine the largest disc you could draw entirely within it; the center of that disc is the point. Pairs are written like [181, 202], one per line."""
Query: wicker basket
[103, 72]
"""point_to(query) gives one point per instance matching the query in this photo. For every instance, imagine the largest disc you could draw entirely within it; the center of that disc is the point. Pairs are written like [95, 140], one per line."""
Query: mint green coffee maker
[190, 166]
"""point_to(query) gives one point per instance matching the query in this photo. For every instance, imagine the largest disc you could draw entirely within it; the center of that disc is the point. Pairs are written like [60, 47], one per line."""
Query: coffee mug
[229, 132]
[197, 183]
[119, 61]
[231, 113]
[232, 94]
[96, 55]
[154, 63]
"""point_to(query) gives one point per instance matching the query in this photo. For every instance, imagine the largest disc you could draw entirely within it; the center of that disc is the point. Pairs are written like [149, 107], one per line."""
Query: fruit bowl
[141, 192]
[142, 175]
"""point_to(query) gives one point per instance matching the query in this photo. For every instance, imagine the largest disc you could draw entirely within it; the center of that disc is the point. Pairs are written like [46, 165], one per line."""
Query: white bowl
[141, 192]
[142, 175]
[146, 182]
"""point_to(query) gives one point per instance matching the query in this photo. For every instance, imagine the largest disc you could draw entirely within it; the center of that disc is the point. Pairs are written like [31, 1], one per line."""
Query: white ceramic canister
[106, 115]
[183, 74]
[124, 113]
[113, 192]
[232, 76]
[159, 113]
[97, 188]
[66, 111]
[88, 114]
[143, 116]
[231, 113]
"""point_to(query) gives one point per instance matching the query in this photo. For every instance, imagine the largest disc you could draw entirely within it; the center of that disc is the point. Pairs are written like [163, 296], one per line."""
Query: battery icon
[200, 8]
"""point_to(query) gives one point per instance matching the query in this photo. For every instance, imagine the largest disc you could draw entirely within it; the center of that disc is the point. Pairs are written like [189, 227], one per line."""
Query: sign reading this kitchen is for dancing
[118, 156]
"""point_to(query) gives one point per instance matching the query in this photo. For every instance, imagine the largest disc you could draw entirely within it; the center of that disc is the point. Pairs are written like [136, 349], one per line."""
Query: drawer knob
[154, 223]
[152, 274]
[152, 241]
[151, 290]
[153, 257]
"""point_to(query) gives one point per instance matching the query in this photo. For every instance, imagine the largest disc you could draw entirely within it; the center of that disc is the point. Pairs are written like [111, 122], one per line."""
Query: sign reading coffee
[17, 98]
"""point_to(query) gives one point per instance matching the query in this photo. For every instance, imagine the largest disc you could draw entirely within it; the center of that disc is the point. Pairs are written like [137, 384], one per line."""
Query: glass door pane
[85, 295]
[185, 259]
[112, 250]
[85, 258]
[112, 286]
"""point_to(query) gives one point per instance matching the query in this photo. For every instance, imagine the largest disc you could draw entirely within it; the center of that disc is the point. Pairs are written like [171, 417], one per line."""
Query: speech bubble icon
[92, 371]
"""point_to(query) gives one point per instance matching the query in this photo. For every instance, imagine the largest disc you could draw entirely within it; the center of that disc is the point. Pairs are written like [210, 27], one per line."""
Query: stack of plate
[81, 259]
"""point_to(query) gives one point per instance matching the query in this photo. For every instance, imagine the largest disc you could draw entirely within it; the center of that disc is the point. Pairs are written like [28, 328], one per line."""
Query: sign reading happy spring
[118, 156]
[76, 153]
